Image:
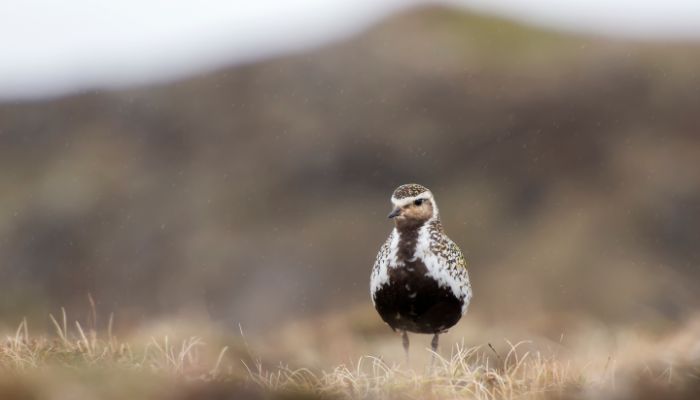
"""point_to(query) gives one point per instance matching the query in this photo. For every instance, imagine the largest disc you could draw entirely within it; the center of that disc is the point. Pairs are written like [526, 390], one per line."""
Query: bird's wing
[456, 267]
[455, 258]
[449, 252]
[379, 270]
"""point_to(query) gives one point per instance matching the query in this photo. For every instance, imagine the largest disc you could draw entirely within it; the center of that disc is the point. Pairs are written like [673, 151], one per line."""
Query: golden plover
[419, 282]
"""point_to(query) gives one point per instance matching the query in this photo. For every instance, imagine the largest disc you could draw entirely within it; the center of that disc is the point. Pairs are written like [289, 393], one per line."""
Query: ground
[304, 360]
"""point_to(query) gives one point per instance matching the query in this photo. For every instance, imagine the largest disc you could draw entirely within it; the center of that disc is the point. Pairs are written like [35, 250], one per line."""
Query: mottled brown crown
[408, 190]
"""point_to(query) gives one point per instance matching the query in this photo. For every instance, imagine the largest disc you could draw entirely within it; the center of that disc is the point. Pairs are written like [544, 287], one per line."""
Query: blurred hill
[566, 167]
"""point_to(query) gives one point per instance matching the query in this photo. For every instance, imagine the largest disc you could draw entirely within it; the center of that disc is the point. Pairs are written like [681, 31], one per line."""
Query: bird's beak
[396, 212]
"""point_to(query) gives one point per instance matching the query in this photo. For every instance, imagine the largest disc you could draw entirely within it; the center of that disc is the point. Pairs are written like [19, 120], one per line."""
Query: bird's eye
[418, 202]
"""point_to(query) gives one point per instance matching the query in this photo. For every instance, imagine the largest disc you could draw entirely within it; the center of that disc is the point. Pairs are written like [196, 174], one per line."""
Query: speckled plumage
[408, 190]
[419, 282]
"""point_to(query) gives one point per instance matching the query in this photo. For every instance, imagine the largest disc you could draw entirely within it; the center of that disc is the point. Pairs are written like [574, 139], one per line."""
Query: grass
[467, 373]
[77, 362]
[80, 348]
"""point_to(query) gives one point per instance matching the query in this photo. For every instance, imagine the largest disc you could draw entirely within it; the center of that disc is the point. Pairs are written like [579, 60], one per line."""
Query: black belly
[414, 302]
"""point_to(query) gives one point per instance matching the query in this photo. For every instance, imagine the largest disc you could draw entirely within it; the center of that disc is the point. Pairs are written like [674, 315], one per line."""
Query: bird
[419, 282]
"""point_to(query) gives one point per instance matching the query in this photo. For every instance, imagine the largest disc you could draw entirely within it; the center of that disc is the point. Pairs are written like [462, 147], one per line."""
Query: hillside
[566, 167]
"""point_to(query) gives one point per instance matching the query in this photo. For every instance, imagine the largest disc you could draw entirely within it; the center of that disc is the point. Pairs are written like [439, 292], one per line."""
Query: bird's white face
[414, 210]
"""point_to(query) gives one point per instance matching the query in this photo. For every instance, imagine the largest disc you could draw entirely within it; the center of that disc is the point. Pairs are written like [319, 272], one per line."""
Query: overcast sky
[53, 47]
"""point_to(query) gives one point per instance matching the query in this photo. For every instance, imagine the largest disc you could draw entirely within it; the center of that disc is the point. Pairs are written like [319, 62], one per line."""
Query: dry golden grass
[77, 362]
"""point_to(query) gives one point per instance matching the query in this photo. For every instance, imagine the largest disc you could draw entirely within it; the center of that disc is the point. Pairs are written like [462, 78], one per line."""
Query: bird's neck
[409, 234]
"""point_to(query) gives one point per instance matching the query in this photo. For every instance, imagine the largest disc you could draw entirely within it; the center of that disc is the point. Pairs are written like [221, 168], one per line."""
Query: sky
[56, 47]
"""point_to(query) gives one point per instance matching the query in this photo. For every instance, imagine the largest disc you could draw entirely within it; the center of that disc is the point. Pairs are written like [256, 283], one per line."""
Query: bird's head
[413, 205]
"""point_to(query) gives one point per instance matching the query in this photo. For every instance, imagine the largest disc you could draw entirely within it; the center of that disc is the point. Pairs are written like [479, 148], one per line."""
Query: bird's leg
[434, 347]
[404, 338]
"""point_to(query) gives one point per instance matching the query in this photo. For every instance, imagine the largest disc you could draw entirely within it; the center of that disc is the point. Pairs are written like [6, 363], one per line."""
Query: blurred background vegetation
[566, 166]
